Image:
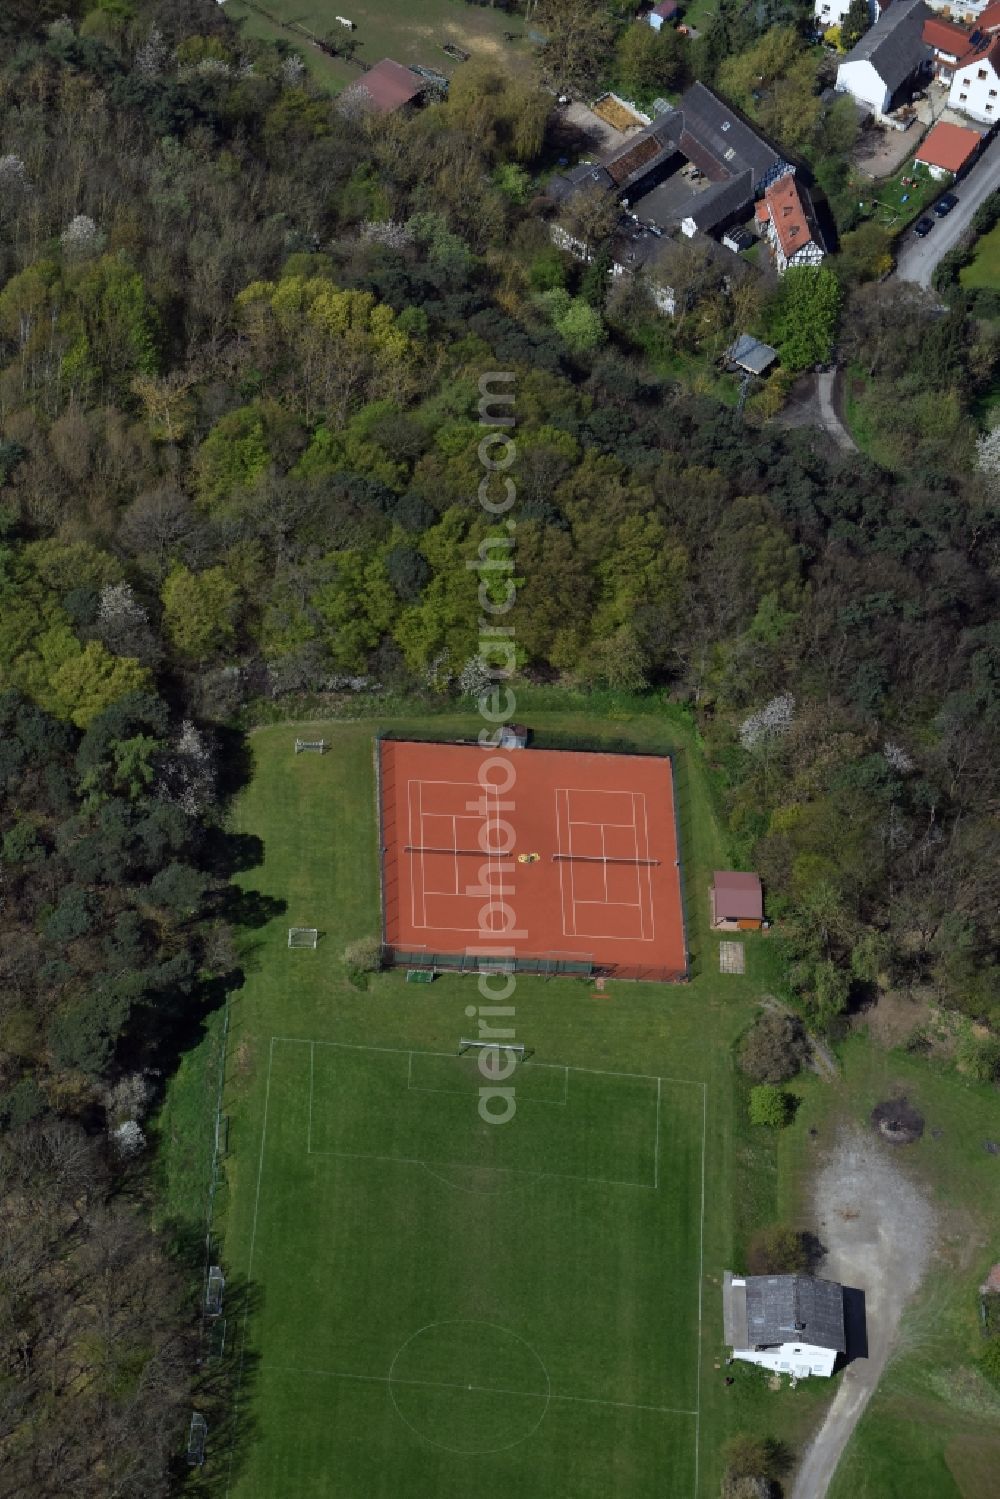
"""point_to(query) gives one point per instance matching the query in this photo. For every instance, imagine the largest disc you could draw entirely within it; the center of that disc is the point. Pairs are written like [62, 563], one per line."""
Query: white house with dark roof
[790, 1324]
[890, 59]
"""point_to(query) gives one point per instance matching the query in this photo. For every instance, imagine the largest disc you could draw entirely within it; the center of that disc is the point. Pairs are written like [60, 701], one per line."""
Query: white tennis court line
[594, 1071]
[490, 794]
[568, 926]
[443, 1384]
[643, 903]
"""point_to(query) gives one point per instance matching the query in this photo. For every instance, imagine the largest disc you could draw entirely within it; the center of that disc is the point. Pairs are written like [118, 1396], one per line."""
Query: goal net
[517, 1047]
[303, 936]
[214, 1288]
[317, 746]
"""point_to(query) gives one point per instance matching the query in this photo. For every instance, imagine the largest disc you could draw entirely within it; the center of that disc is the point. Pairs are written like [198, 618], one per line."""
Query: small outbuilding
[754, 358]
[790, 1324]
[665, 11]
[737, 901]
[948, 149]
[514, 736]
[386, 87]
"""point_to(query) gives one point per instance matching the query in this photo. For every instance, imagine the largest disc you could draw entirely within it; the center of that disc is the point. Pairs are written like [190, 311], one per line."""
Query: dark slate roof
[725, 137]
[794, 1308]
[722, 202]
[643, 152]
[578, 179]
[895, 46]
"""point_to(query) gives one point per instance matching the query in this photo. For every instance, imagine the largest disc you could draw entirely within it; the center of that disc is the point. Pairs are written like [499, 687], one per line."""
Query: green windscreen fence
[450, 962]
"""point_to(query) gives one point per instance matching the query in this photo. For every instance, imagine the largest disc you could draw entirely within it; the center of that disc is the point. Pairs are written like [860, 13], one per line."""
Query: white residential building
[975, 85]
[786, 216]
[889, 59]
[791, 1324]
[832, 12]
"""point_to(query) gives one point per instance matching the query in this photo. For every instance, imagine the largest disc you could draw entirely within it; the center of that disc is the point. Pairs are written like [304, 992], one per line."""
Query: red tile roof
[788, 215]
[737, 895]
[945, 36]
[989, 19]
[949, 146]
[987, 51]
[389, 85]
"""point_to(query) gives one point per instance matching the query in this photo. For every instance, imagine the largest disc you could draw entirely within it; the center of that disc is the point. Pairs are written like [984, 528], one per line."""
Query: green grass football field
[439, 1289]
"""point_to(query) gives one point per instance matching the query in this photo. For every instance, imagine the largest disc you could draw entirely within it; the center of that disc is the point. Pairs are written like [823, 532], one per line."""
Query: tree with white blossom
[187, 774]
[122, 624]
[151, 56]
[391, 233]
[128, 1139]
[81, 238]
[475, 678]
[775, 718]
[988, 456]
[896, 758]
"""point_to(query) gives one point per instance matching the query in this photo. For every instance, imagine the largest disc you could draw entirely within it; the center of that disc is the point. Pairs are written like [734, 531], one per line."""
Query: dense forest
[241, 339]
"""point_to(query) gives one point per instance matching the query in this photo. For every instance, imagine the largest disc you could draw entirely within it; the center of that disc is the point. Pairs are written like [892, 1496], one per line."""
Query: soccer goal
[214, 1288]
[303, 936]
[317, 746]
[517, 1047]
[197, 1434]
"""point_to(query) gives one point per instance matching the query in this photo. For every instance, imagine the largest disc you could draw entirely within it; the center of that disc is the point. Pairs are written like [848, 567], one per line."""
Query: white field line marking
[407, 1160]
[556, 1103]
[656, 1149]
[403, 1051]
[312, 1075]
[701, 1281]
[253, 1241]
[440, 1384]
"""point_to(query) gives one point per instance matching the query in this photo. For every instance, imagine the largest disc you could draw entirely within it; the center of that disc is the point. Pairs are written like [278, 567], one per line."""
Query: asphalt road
[917, 258]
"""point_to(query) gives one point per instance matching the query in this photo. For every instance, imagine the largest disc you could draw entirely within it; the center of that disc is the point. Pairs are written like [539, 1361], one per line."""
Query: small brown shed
[737, 901]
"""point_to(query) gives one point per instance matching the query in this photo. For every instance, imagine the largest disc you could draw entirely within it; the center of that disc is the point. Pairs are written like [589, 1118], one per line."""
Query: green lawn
[884, 201]
[589, 1255]
[984, 269]
[399, 29]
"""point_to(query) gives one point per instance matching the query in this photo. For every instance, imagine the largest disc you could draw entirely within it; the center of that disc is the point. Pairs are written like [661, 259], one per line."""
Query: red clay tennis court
[552, 861]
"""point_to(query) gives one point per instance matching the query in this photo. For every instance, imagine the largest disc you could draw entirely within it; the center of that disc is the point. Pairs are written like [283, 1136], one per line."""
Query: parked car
[945, 205]
[923, 226]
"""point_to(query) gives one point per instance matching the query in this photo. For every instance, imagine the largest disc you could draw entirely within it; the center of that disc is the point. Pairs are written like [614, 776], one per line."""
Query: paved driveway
[917, 258]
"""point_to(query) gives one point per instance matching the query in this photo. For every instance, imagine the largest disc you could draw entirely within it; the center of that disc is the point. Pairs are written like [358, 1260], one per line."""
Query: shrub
[364, 954]
[778, 1250]
[989, 1362]
[775, 1049]
[769, 1106]
[979, 1057]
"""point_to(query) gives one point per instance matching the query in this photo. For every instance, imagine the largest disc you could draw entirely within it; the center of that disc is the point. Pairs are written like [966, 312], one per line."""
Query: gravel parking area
[879, 1232]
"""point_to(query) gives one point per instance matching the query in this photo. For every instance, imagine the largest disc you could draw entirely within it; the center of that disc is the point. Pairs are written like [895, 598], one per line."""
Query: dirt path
[878, 1230]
